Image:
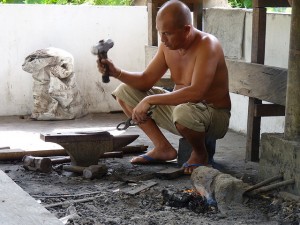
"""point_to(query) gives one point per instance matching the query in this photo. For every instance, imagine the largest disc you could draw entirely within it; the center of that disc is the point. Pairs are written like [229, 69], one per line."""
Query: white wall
[27, 28]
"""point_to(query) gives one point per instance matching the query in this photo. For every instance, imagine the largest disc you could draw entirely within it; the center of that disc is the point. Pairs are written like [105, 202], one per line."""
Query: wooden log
[18, 154]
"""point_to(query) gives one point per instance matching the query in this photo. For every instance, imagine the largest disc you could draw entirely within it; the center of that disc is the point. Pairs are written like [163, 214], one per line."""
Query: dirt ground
[107, 200]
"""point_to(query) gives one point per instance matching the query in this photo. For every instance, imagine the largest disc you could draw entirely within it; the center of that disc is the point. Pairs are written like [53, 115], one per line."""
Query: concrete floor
[23, 133]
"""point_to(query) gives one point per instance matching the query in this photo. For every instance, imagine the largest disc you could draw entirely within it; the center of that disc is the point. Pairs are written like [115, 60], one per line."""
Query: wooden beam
[269, 110]
[270, 3]
[197, 14]
[258, 81]
[292, 119]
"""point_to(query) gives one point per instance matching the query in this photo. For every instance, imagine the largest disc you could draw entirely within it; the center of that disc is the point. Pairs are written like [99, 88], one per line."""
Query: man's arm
[153, 72]
[139, 80]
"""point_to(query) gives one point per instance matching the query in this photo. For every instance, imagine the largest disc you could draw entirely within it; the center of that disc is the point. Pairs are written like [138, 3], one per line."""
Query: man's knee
[184, 118]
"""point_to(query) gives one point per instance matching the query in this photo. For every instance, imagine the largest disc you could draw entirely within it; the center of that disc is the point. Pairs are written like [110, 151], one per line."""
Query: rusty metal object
[85, 148]
[90, 172]
[40, 164]
[95, 171]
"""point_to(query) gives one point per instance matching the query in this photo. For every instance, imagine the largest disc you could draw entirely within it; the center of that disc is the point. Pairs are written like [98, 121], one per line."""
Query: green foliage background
[240, 3]
[232, 3]
[69, 2]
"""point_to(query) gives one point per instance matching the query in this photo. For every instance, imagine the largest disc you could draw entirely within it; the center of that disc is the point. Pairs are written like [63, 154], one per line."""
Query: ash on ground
[102, 202]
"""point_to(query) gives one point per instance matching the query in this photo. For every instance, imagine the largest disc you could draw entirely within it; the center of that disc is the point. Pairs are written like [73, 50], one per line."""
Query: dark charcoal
[181, 199]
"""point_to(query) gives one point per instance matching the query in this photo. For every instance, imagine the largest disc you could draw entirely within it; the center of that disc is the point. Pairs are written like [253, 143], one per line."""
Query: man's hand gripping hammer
[101, 50]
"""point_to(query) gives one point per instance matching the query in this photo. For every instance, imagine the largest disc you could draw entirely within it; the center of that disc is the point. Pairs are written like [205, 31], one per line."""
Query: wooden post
[257, 56]
[152, 7]
[292, 119]
[197, 14]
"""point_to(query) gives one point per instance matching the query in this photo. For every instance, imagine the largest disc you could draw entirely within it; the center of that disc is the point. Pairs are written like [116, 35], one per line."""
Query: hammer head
[102, 47]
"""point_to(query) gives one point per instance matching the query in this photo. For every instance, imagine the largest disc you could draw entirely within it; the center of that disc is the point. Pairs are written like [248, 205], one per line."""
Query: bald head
[175, 12]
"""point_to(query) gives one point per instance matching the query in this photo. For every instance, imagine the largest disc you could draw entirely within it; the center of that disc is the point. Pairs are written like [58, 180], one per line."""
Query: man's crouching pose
[199, 105]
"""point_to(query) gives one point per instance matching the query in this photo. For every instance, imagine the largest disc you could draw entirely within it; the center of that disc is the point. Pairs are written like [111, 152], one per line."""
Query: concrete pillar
[292, 118]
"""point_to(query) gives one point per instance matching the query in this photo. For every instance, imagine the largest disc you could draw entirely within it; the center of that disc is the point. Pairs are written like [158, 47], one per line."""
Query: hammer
[42, 164]
[101, 50]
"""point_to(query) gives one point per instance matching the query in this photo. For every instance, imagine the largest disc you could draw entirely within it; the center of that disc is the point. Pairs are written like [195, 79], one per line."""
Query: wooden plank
[258, 81]
[170, 173]
[270, 3]
[18, 207]
[137, 189]
[18, 154]
[269, 110]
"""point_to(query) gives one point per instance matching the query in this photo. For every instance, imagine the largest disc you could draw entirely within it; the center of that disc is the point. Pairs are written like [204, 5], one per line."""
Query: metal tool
[129, 123]
[101, 50]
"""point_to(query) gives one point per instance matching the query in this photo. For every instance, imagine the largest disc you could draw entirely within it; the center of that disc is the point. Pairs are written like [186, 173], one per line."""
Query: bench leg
[253, 132]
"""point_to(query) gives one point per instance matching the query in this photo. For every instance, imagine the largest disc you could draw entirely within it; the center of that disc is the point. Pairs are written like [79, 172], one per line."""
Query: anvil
[85, 148]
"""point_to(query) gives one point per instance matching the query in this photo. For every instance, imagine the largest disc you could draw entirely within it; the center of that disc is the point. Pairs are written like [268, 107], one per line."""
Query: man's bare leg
[199, 154]
[163, 150]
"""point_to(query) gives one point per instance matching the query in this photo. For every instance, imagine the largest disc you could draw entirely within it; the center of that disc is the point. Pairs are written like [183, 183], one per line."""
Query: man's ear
[187, 29]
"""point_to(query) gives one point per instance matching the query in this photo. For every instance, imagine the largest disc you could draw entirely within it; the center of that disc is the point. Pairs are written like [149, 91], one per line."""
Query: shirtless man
[198, 106]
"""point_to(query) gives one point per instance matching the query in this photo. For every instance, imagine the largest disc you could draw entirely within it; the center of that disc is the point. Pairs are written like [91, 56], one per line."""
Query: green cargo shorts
[199, 117]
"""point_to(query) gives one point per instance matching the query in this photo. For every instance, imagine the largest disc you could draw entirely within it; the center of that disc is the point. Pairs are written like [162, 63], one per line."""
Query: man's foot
[155, 156]
[189, 168]
[194, 161]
